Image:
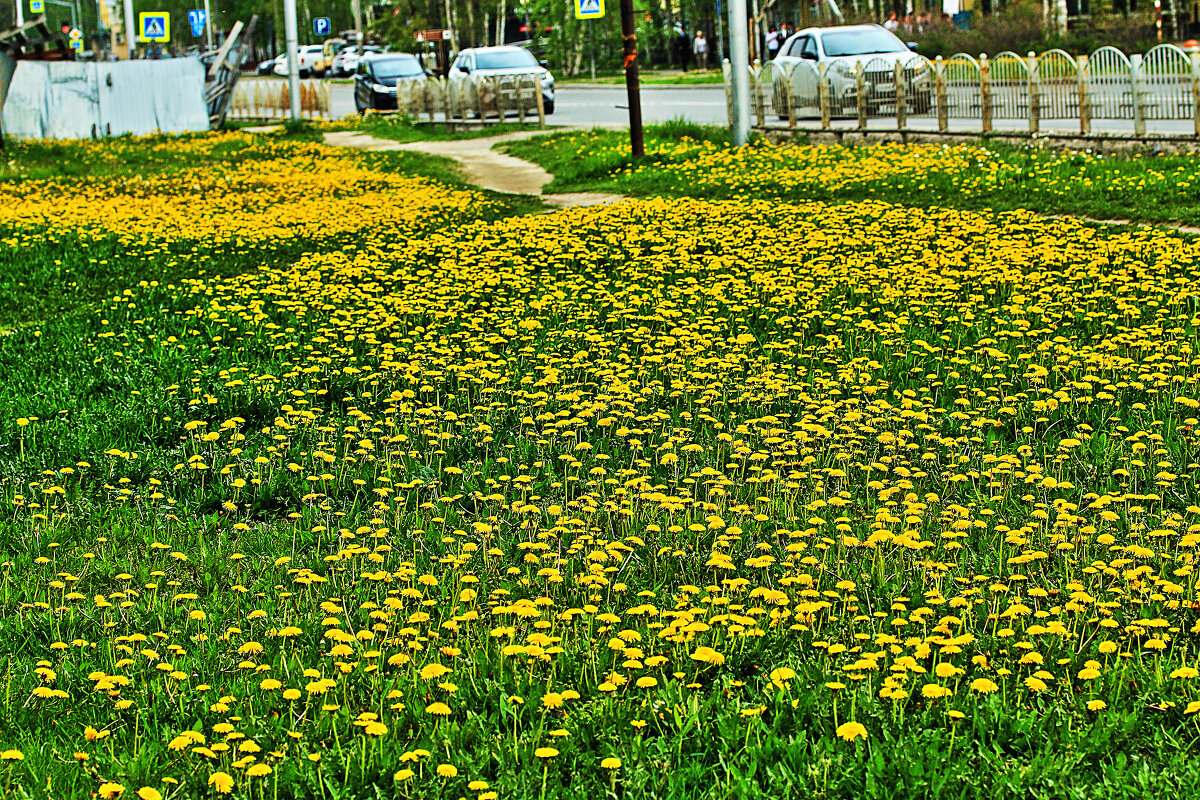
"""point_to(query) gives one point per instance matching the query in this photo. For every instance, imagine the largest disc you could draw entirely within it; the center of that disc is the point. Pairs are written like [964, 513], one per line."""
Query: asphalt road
[606, 106]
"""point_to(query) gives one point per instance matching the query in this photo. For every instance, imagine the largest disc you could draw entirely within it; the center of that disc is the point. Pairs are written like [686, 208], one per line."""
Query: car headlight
[848, 70]
[547, 79]
[379, 88]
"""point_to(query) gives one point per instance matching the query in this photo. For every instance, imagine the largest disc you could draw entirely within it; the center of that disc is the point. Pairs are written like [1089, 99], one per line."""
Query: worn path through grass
[482, 165]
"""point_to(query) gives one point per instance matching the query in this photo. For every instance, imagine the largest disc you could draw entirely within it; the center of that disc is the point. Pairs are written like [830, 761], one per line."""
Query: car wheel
[548, 107]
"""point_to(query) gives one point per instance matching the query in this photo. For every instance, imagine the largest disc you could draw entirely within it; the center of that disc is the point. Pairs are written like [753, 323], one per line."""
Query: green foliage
[1141, 187]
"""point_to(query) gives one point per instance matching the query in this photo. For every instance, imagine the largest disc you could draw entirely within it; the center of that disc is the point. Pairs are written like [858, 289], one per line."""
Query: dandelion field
[695, 160]
[675, 497]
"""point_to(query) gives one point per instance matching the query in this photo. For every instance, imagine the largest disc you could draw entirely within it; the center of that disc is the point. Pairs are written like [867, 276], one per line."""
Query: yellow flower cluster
[811, 465]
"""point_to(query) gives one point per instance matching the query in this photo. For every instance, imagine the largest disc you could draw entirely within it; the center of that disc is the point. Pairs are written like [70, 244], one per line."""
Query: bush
[1019, 28]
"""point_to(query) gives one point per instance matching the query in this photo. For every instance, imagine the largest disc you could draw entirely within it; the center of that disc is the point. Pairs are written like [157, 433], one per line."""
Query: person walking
[700, 50]
[683, 45]
[773, 42]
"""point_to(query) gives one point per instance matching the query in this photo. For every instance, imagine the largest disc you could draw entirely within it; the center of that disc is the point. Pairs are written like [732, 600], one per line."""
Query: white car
[486, 61]
[307, 56]
[843, 48]
[347, 61]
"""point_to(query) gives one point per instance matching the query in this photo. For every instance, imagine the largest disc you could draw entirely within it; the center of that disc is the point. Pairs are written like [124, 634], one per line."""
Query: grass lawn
[326, 476]
[693, 160]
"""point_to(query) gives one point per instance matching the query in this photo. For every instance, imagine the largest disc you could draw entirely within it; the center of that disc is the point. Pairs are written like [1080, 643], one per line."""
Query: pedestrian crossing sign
[589, 9]
[155, 26]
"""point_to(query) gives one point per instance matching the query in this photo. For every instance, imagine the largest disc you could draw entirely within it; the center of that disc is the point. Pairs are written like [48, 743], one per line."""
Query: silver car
[846, 49]
[481, 62]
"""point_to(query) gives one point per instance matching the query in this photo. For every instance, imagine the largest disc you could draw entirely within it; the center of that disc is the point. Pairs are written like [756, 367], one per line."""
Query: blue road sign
[196, 19]
[37, 6]
[155, 25]
[322, 26]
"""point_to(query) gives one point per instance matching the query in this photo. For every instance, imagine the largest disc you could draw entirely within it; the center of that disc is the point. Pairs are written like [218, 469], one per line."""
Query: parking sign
[197, 18]
[322, 26]
[589, 9]
[37, 6]
[155, 26]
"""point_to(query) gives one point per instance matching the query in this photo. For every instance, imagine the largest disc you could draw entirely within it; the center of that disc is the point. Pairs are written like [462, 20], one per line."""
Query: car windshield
[860, 43]
[504, 59]
[396, 67]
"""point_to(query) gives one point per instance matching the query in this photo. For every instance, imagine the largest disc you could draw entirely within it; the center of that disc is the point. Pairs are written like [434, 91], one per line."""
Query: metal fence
[488, 99]
[1164, 84]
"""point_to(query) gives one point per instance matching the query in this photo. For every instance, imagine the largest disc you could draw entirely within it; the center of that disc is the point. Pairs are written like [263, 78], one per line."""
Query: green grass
[461, 365]
[43, 277]
[406, 129]
[1134, 186]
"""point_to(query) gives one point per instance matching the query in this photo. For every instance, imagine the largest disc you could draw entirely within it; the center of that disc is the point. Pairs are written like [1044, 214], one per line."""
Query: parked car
[268, 67]
[506, 60]
[308, 55]
[346, 62]
[843, 49]
[331, 47]
[377, 77]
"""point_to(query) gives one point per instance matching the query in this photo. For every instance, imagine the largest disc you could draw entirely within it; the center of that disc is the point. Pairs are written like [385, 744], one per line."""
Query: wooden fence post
[541, 104]
[1135, 94]
[789, 100]
[901, 90]
[1085, 96]
[1195, 58]
[1035, 92]
[985, 95]
[823, 94]
[939, 77]
[860, 79]
[756, 90]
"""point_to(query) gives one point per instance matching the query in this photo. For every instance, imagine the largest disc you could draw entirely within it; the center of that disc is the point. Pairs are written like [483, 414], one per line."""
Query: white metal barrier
[488, 98]
[1109, 85]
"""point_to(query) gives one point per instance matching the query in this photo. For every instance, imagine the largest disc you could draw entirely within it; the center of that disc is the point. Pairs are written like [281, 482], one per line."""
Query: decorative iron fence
[1164, 84]
[489, 98]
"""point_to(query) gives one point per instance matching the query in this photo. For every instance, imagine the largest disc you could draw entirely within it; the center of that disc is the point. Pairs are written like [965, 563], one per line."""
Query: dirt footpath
[482, 165]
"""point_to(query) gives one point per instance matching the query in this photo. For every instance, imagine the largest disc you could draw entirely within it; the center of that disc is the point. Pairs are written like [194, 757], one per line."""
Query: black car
[377, 76]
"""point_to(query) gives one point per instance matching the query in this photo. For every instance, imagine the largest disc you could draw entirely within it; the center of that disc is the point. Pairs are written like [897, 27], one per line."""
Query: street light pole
[632, 90]
[207, 25]
[130, 30]
[20, 13]
[292, 37]
[739, 65]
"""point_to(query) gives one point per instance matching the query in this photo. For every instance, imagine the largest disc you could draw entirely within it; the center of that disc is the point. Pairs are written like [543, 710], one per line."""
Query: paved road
[606, 107]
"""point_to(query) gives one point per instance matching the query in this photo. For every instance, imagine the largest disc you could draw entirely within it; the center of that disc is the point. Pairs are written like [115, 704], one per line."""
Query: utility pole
[720, 36]
[293, 57]
[207, 25]
[20, 13]
[739, 65]
[130, 30]
[633, 92]
[356, 9]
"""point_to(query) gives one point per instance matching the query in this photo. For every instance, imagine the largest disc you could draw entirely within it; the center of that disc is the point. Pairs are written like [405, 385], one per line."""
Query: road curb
[644, 87]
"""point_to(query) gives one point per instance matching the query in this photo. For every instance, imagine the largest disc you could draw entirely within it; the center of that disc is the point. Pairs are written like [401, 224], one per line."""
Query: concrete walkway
[483, 166]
